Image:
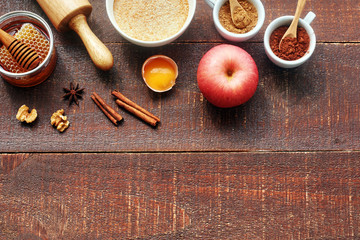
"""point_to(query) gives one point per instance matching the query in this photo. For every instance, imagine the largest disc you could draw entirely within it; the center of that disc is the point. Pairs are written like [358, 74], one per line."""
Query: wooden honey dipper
[71, 14]
[25, 56]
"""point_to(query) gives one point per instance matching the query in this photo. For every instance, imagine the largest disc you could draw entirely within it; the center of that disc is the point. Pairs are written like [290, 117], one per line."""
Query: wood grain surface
[180, 196]
[285, 165]
[299, 109]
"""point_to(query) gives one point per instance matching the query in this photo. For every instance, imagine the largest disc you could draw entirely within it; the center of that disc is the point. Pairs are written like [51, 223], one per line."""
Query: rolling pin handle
[99, 53]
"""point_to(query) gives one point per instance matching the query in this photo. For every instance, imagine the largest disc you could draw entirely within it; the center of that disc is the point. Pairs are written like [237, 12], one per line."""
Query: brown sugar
[226, 20]
[29, 35]
[151, 20]
[240, 17]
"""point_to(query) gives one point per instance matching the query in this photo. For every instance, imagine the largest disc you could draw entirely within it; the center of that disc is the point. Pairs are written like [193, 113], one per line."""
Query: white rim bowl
[237, 37]
[285, 21]
[110, 13]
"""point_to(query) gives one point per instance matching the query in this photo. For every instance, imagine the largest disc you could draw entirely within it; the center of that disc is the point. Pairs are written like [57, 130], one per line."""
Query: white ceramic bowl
[236, 37]
[110, 12]
[286, 21]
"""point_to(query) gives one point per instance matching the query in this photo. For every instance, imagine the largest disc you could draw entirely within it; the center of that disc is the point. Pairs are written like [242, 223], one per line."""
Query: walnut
[59, 120]
[23, 114]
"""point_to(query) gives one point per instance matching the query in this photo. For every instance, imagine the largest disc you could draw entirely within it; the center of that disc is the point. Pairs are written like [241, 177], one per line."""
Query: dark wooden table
[285, 165]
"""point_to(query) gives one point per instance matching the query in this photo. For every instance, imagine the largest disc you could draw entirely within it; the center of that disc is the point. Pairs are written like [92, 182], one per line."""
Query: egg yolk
[159, 74]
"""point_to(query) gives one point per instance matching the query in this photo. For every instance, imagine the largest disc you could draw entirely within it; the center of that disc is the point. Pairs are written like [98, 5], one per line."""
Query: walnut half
[59, 120]
[23, 114]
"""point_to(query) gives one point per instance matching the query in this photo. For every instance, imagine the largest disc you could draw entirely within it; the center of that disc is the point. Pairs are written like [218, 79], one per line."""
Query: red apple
[227, 76]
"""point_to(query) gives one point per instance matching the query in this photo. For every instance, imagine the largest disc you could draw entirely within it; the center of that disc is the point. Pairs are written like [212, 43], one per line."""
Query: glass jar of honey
[32, 30]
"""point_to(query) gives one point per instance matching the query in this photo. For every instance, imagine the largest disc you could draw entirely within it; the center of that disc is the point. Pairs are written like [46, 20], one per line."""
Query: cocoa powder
[291, 48]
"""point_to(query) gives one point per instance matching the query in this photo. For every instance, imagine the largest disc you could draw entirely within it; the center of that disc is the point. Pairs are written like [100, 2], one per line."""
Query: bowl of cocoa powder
[293, 51]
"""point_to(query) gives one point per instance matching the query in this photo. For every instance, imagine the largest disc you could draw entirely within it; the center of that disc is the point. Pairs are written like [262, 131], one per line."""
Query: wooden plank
[336, 20]
[313, 107]
[303, 195]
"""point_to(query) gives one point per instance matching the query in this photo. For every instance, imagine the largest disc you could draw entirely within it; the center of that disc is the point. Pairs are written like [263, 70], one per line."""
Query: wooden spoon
[291, 31]
[25, 56]
[239, 15]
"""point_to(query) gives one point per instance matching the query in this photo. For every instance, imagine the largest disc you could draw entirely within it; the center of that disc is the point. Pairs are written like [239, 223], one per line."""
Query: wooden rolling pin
[71, 14]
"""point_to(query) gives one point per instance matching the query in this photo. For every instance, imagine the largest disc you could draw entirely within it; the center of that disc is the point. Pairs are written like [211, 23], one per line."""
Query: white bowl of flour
[150, 23]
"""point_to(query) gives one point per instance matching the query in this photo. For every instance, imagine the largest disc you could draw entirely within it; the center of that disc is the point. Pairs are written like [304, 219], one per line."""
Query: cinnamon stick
[106, 109]
[113, 120]
[137, 113]
[127, 101]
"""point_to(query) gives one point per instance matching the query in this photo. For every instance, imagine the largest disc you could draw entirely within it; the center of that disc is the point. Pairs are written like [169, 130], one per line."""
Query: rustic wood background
[285, 165]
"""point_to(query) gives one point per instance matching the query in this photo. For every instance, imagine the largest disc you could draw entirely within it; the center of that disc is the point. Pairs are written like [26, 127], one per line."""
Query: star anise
[73, 93]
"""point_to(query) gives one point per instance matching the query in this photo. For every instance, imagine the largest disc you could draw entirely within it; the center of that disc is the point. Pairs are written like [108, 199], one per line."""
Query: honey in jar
[159, 73]
[29, 35]
[35, 32]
